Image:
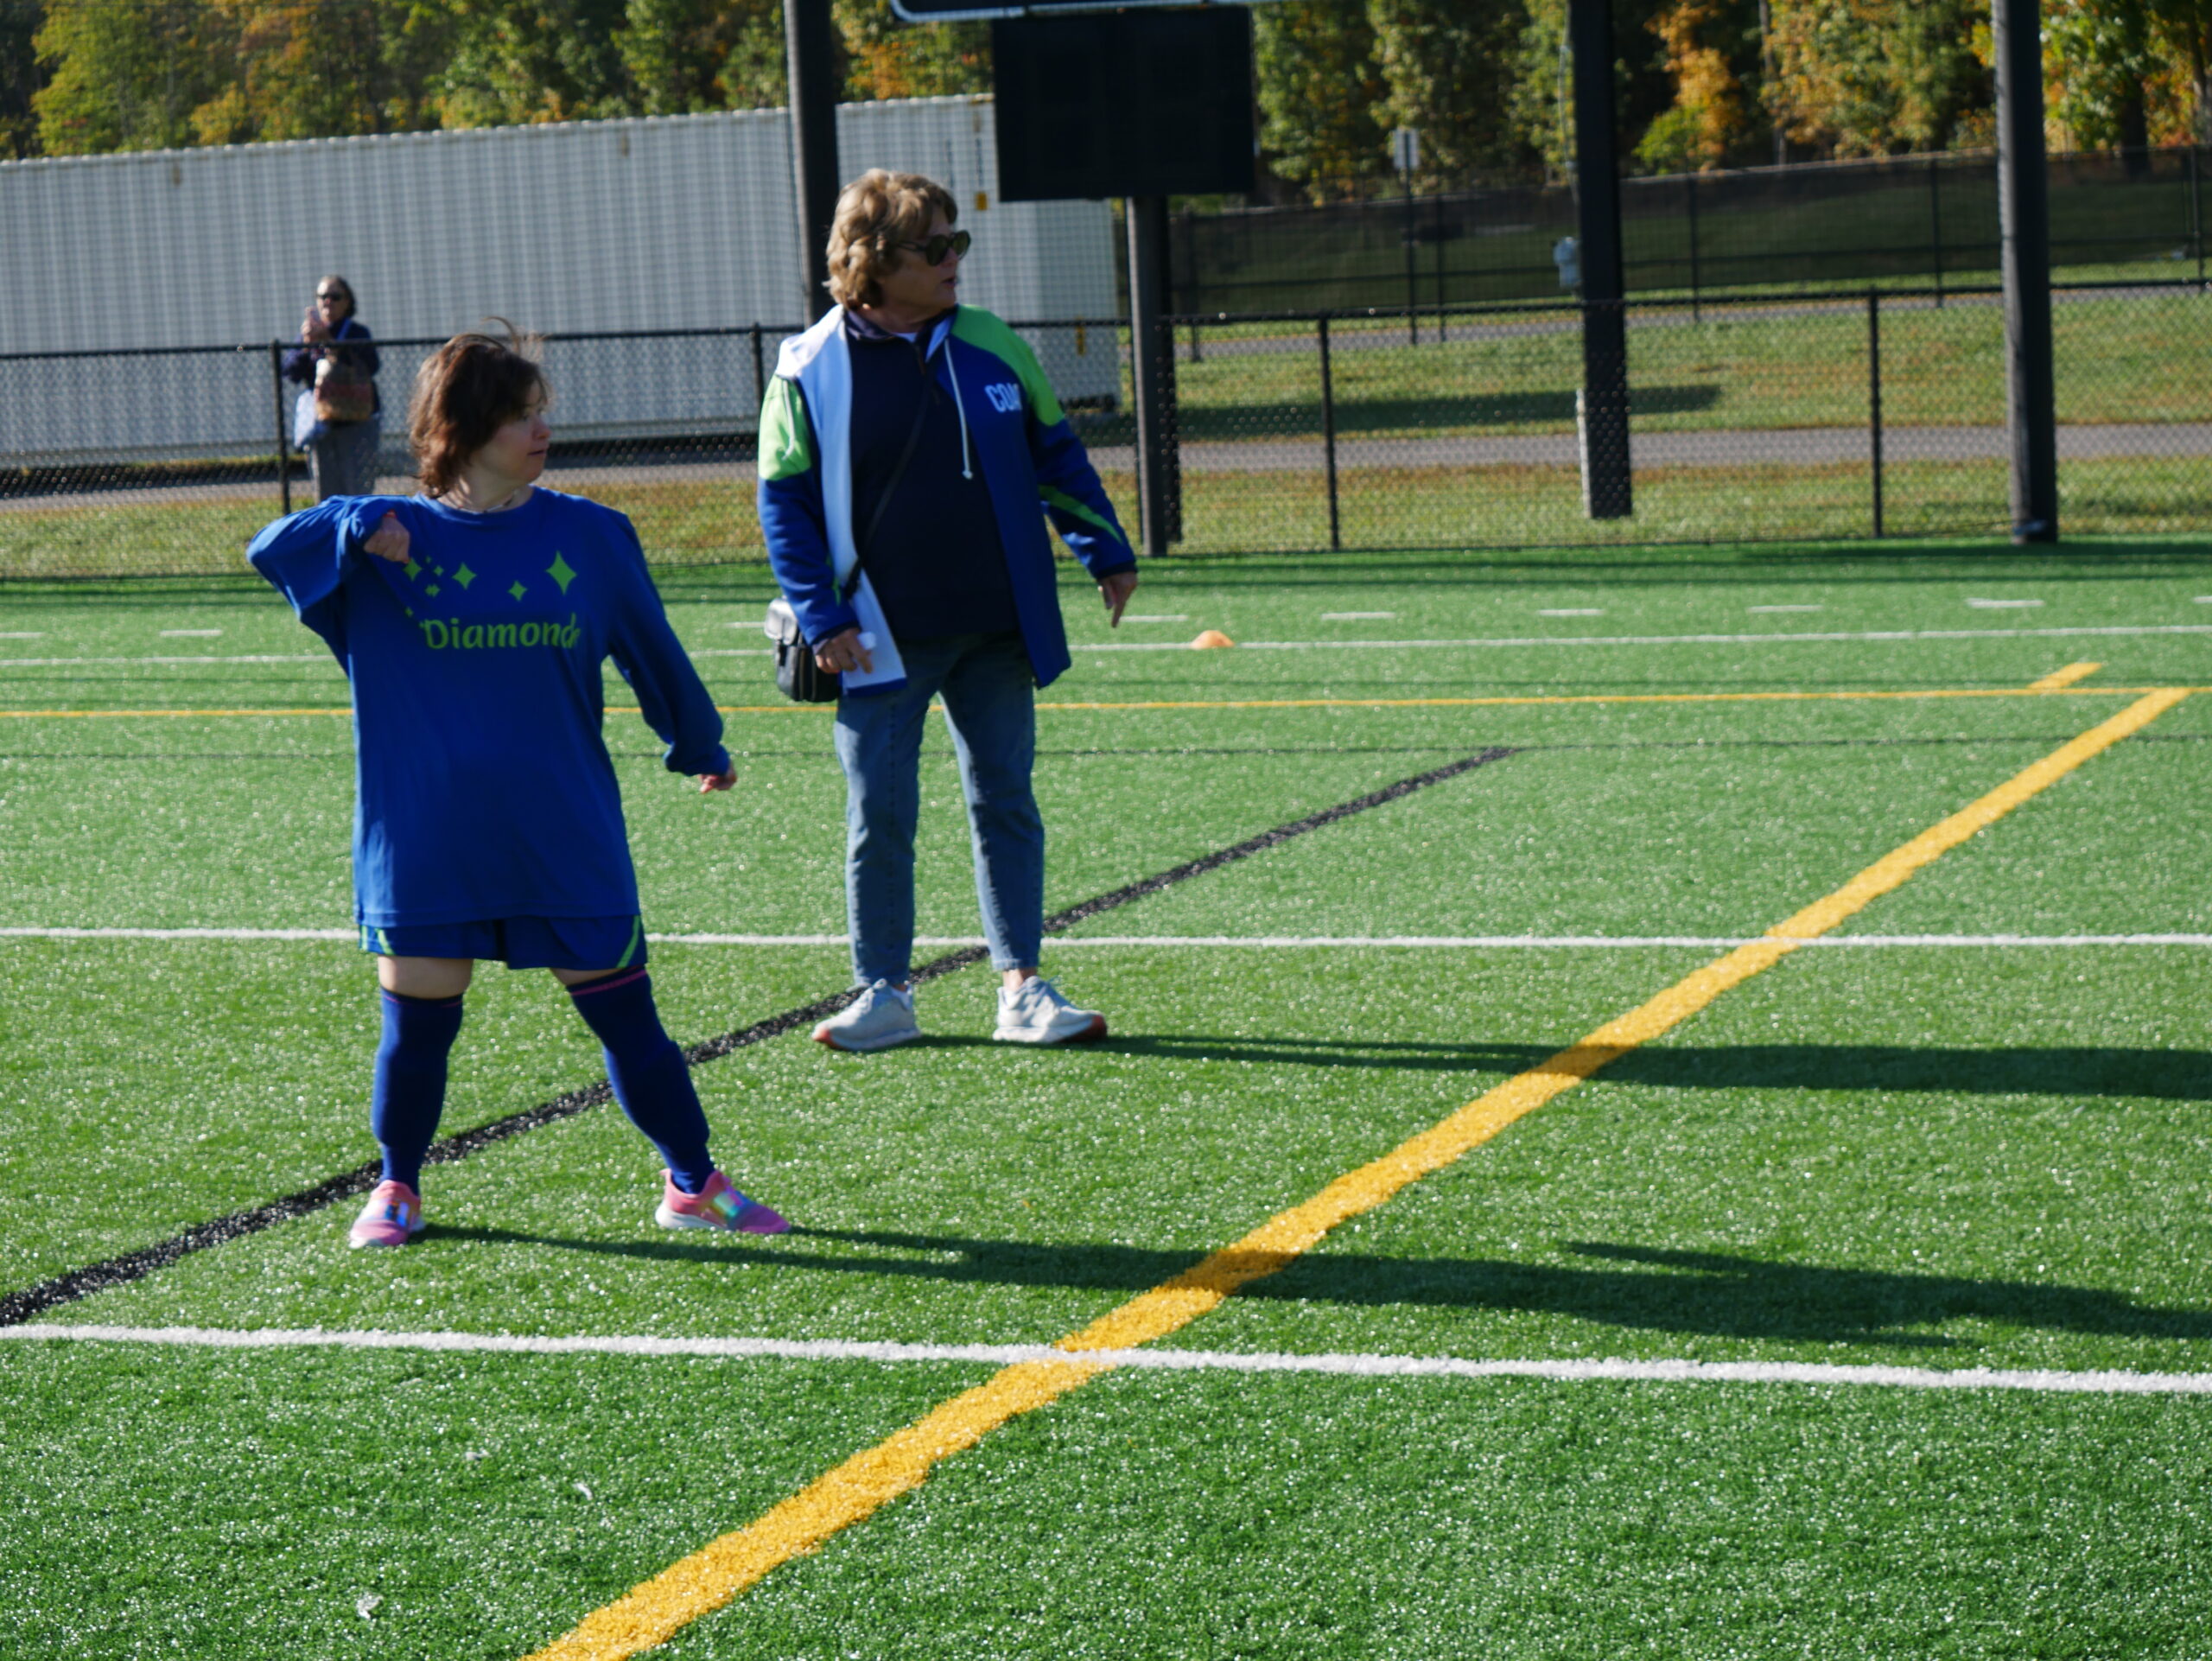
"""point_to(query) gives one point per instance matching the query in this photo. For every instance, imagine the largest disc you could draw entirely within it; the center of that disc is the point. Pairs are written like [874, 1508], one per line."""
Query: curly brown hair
[465, 391]
[876, 212]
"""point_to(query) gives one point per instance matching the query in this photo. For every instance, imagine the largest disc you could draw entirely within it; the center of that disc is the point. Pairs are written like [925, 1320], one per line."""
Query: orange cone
[1210, 638]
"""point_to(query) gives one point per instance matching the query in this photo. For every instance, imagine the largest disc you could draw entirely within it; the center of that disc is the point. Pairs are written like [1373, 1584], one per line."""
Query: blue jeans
[988, 690]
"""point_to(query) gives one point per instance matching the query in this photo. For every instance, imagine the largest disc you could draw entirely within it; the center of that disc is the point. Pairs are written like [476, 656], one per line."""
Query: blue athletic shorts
[520, 942]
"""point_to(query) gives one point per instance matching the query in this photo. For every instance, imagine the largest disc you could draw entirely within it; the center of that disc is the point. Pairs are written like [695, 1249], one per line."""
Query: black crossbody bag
[797, 675]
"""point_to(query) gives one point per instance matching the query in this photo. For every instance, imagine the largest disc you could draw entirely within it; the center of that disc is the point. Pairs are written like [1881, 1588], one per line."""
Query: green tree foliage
[1447, 69]
[1872, 78]
[2185, 28]
[127, 76]
[685, 57]
[1542, 95]
[324, 68]
[524, 61]
[885, 58]
[19, 79]
[1320, 92]
[2097, 54]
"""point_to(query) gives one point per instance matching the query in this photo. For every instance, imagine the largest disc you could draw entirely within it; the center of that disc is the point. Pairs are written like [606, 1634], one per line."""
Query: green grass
[1931, 1156]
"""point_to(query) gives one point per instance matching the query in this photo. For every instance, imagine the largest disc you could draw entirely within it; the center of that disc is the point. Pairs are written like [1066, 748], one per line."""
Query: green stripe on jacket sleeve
[786, 450]
[981, 329]
[1067, 503]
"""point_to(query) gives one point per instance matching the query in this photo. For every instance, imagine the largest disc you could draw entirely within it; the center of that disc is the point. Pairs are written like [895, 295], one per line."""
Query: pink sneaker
[717, 1206]
[392, 1216]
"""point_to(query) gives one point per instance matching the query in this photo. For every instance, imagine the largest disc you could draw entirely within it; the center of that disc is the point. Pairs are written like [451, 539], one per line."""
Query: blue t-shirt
[486, 790]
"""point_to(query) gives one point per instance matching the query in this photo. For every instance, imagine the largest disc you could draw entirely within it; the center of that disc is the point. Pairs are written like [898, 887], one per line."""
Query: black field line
[17, 1308]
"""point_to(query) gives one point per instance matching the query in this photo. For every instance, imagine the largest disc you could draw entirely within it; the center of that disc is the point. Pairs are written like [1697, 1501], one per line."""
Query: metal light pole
[2023, 208]
[811, 59]
[1606, 487]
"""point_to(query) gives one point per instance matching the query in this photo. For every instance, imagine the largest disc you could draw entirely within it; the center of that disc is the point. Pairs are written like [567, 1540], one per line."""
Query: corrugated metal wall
[675, 222]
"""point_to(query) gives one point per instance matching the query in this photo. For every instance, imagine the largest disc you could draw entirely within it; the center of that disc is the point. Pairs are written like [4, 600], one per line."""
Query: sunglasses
[333, 294]
[933, 251]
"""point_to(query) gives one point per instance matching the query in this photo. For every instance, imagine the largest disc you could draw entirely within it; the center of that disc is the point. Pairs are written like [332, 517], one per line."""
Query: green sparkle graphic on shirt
[517, 591]
[411, 568]
[432, 591]
[464, 576]
[559, 571]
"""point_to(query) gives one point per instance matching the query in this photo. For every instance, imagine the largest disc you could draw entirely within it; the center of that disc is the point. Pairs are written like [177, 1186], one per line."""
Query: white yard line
[2108, 1382]
[68, 663]
[1258, 942]
[1683, 639]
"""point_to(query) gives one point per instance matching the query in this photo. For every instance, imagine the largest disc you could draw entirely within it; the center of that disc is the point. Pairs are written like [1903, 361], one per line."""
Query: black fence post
[1329, 433]
[1874, 397]
[1436, 225]
[1936, 225]
[759, 374]
[284, 427]
[1413, 318]
[2196, 208]
[1697, 312]
[1190, 295]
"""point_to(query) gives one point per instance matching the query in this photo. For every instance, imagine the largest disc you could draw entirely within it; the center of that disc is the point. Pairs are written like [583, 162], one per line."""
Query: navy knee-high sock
[410, 1080]
[651, 1078]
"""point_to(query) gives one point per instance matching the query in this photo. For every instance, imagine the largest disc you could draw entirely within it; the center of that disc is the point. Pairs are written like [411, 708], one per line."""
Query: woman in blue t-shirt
[473, 620]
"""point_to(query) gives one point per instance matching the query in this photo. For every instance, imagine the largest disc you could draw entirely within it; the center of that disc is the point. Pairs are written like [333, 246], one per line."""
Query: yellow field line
[2059, 679]
[2038, 688]
[654, 1611]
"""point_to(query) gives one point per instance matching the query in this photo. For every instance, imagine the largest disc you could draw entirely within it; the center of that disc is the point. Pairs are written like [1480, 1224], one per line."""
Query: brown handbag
[343, 392]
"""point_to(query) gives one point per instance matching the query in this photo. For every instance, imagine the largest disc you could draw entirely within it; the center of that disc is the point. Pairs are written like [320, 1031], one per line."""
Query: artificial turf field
[1976, 1141]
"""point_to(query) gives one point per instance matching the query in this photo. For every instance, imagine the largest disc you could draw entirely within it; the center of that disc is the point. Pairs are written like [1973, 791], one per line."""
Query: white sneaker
[880, 1017]
[1035, 1013]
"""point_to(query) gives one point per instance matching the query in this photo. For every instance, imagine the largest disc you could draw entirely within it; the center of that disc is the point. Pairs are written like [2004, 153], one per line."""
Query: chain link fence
[1833, 414]
[1923, 221]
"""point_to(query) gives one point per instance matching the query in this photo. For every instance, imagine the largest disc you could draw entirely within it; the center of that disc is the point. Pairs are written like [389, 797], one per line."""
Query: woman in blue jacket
[472, 621]
[334, 348]
[910, 452]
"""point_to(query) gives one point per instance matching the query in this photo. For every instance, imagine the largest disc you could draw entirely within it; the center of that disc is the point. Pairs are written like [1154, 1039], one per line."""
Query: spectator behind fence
[339, 418]
[911, 450]
[473, 622]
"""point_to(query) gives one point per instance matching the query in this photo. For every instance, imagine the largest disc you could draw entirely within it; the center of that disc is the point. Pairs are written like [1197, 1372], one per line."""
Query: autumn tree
[1871, 78]
[1712, 55]
[2185, 28]
[885, 58]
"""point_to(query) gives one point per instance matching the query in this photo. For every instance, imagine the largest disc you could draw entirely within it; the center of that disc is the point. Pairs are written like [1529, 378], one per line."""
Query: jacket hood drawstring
[943, 343]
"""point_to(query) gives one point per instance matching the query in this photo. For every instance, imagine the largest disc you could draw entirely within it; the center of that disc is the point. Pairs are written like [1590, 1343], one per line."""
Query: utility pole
[2024, 209]
[811, 59]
